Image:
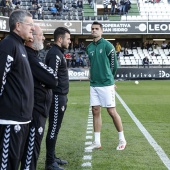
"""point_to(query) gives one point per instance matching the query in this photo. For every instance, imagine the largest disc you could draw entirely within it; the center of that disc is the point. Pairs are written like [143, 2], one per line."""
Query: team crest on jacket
[63, 108]
[92, 52]
[17, 128]
[101, 50]
[40, 130]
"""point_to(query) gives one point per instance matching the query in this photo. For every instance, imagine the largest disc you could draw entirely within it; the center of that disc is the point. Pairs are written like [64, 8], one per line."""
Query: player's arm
[113, 58]
[115, 64]
[5, 67]
[54, 62]
[43, 73]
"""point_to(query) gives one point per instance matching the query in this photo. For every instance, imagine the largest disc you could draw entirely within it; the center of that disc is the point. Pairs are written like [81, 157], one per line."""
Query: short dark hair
[60, 32]
[97, 23]
[17, 16]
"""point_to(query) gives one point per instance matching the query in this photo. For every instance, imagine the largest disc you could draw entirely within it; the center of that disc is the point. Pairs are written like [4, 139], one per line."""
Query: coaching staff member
[16, 90]
[56, 60]
[45, 78]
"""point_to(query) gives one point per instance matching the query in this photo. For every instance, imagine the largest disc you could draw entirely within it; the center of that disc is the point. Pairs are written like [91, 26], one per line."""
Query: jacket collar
[17, 37]
[61, 49]
[29, 49]
[98, 42]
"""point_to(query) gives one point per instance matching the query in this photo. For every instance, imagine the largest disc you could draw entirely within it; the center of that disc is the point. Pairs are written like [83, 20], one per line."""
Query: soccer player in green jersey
[103, 68]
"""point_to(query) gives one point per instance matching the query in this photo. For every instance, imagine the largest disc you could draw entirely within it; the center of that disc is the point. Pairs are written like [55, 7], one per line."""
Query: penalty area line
[162, 155]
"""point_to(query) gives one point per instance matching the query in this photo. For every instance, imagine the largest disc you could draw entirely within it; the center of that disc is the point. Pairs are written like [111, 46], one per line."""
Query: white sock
[121, 136]
[97, 137]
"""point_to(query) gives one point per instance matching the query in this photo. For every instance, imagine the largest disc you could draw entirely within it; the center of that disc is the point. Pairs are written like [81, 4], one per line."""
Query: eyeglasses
[30, 24]
[39, 34]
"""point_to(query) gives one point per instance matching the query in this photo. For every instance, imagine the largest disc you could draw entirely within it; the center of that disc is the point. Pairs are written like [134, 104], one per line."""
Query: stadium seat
[92, 18]
[86, 18]
[80, 17]
[99, 17]
[105, 17]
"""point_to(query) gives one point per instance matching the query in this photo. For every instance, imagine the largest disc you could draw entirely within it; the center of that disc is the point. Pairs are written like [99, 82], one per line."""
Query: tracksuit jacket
[45, 79]
[16, 81]
[56, 60]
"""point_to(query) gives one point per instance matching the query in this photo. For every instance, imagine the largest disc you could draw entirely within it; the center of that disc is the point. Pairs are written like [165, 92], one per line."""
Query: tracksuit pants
[33, 143]
[57, 110]
[12, 142]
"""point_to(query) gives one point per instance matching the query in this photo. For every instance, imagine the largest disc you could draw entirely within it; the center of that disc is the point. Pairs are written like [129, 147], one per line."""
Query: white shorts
[102, 96]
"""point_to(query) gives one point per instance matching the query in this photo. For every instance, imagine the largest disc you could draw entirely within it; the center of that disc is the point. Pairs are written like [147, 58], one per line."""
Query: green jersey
[103, 63]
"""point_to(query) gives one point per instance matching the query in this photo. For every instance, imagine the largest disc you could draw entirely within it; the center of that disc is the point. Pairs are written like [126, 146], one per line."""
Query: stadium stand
[139, 11]
[149, 11]
[157, 57]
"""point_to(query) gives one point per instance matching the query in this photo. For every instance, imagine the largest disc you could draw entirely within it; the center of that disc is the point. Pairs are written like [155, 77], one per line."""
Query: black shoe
[60, 161]
[53, 166]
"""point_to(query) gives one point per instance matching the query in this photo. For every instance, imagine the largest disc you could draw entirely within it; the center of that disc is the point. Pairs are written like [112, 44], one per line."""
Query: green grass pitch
[150, 103]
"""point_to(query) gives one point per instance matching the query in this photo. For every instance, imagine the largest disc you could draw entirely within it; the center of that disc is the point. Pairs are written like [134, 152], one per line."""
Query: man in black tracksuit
[56, 60]
[16, 90]
[45, 78]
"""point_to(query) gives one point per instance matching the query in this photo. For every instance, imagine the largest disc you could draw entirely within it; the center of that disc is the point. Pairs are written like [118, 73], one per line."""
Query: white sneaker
[94, 145]
[121, 145]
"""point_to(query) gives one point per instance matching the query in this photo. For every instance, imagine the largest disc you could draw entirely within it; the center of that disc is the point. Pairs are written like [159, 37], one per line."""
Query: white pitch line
[150, 139]
[88, 158]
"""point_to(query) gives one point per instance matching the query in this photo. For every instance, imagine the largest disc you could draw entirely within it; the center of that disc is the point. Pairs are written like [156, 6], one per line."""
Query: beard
[37, 45]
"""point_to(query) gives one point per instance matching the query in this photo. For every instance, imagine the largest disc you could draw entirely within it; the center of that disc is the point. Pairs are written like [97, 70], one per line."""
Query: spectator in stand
[146, 62]
[68, 58]
[133, 45]
[65, 8]
[33, 9]
[53, 10]
[168, 45]
[164, 45]
[58, 7]
[149, 46]
[34, 2]
[71, 46]
[154, 45]
[82, 46]
[126, 45]
[85, 60]
[122, 7]
[105, 4]
[17, 2]
[91, 3]
[127, 6]
[7, 4]
[113, 6]
[79, 4]
[48, 46]
[39, 11]
[73, 60]
[74, 4]
[76, 46]
[81, 61]
[17, 7]
[144, 45]
[118, 49]
[126, 53]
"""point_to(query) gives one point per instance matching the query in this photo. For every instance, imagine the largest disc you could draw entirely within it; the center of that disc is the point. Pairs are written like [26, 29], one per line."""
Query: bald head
[38, 39]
